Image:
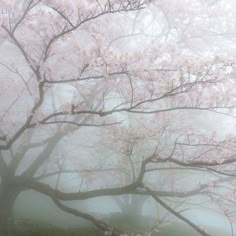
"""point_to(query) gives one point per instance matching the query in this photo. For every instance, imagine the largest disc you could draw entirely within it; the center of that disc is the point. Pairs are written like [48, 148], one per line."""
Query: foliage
[81, 98]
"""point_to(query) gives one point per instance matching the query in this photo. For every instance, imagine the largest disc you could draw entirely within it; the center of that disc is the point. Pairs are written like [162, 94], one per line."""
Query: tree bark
[8, 196]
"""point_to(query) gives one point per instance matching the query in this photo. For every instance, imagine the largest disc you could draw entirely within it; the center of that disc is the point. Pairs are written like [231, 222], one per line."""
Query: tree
[63, 72]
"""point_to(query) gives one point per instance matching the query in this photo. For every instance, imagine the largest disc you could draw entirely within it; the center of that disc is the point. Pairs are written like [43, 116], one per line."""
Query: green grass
[60, 232]
[28, 228]
[137, 224]
[127, 223]
[130, 222]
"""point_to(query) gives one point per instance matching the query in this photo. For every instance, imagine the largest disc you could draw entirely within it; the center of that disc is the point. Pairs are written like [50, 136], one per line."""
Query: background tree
[63, 71]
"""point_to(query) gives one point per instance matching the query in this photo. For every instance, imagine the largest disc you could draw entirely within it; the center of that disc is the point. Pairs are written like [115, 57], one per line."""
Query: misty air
[117, 117]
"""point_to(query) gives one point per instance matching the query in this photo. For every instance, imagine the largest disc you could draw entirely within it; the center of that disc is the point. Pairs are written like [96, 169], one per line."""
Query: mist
[117, 117]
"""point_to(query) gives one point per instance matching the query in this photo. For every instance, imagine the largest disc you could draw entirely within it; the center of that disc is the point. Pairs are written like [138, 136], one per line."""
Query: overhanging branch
[175, 213]
[100, 224]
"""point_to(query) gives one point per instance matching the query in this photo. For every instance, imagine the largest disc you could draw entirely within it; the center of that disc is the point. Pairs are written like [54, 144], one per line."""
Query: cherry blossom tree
[68, 84]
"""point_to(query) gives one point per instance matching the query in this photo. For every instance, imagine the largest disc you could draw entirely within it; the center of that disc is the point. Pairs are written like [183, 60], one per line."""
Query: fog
[117, 117]
[47, 213]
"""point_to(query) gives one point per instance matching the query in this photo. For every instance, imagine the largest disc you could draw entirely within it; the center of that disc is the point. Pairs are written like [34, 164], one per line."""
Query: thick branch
[54, 193]
[94, 77]
[4, 170]
[25, 126]
[175, 213]
[90, 171]
[100, 224]
[200, 164]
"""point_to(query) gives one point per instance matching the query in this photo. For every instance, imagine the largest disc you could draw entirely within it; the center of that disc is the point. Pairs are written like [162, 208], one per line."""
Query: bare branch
[100, 224]
[175, 213]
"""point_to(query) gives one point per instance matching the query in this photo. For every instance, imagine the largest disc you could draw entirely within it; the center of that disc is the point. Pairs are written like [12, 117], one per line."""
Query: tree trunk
[136, 205]
[7, 199]
[131, 204]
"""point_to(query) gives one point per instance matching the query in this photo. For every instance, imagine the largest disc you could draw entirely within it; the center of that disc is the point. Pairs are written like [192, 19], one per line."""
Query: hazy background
[202, 28]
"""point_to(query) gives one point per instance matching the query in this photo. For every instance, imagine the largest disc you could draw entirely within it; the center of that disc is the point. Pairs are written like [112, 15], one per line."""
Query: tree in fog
[93, 88]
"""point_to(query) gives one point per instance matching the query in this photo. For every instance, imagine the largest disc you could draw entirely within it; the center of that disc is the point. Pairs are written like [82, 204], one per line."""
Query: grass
[60, 232]
[127, 223]
[28, 228]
